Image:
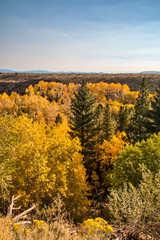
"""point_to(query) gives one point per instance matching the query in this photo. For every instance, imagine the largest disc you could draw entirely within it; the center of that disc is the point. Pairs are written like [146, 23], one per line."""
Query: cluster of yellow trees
[39, 159]
[45, 100]
[80, 143]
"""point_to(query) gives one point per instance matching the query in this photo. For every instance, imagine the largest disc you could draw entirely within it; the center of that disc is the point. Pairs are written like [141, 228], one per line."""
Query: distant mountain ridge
[48, 72]
[29, 71]
[150, 72]
[6, 71]
[44, 71]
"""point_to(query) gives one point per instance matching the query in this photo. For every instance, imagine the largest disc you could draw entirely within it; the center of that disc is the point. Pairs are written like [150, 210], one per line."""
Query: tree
[136, 130]
[58, 119]
[38, 162]
[153, 123]
[109, 150]
[83, 122]
[108, 130]
[123, 118]
[127, 167]
[66, 163]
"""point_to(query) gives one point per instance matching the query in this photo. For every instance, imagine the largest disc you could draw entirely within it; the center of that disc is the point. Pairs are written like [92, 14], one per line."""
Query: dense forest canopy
[87, 143]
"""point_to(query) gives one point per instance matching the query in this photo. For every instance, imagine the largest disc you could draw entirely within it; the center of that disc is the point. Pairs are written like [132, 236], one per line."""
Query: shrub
[96, 228]
[138, 206]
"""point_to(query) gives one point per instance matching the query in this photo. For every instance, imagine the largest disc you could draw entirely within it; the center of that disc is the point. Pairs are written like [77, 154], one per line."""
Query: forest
[83, 159]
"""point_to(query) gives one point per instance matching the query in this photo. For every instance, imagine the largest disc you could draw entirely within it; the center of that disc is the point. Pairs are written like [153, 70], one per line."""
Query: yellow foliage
[109, 150]
[44, 100]
[37, 162]
[96, 228]
[7, 105]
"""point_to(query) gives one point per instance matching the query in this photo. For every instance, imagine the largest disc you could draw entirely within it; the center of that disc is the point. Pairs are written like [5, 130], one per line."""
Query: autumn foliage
[38, 162]
[79, 142]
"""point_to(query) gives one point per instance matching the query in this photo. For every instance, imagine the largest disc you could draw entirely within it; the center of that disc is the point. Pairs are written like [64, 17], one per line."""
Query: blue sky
[80, 35]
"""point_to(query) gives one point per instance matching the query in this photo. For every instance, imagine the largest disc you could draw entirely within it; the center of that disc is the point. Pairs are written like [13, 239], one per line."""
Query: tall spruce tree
[58, 119]
[123, 119]
[108, 129]
[83, 123]
[153, 124]
[137, 130]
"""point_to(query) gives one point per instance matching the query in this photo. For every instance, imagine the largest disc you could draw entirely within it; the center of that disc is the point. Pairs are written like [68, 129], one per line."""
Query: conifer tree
[83, 123]
[58, 119]
[156, 111]
[153, 123]
[136, 130]
[108, 130]
[123, 118]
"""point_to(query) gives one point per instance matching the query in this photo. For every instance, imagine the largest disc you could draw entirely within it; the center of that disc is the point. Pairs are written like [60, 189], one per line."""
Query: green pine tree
[83, 123]
[153, 123]
[123, 119]
[137, 130]
[58, 119]
[108, 129]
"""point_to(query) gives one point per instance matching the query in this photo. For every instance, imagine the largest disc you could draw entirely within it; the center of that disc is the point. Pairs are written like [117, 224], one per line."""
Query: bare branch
[24, 213]
[16, 208]
[24, 222]
[13, 200]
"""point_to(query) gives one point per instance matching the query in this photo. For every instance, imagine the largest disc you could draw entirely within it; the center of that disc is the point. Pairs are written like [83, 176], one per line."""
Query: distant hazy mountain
[42, 71]
[7, 71]
[35, 71]
[150, 72]
[68, 72]
[29, 71]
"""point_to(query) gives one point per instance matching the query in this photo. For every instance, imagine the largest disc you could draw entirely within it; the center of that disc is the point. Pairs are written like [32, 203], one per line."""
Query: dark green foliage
[156, 111]
[137, 130]
[153, 124]
[83, 122]
[99, 127]
[108, 129]
[123, 118]
[58, 119]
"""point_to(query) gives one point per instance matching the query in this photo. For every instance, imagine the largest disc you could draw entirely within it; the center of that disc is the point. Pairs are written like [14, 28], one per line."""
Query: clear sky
[80, 35]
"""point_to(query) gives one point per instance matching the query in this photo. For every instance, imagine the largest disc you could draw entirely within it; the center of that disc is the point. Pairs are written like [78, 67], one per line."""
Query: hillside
[18, 82]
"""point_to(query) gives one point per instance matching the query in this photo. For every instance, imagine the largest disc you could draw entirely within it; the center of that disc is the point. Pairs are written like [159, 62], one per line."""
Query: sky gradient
[110, 36]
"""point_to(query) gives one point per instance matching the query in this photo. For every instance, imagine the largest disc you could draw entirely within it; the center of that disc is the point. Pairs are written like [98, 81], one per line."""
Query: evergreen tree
[123, 118]
[108, 130]
[153, 124]
[58, 119]
[156, 111]
[83, 123]
[137, 130]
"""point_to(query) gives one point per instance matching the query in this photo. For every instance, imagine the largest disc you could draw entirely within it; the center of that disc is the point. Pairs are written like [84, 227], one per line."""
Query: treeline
[45, 100]
[84, 142]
